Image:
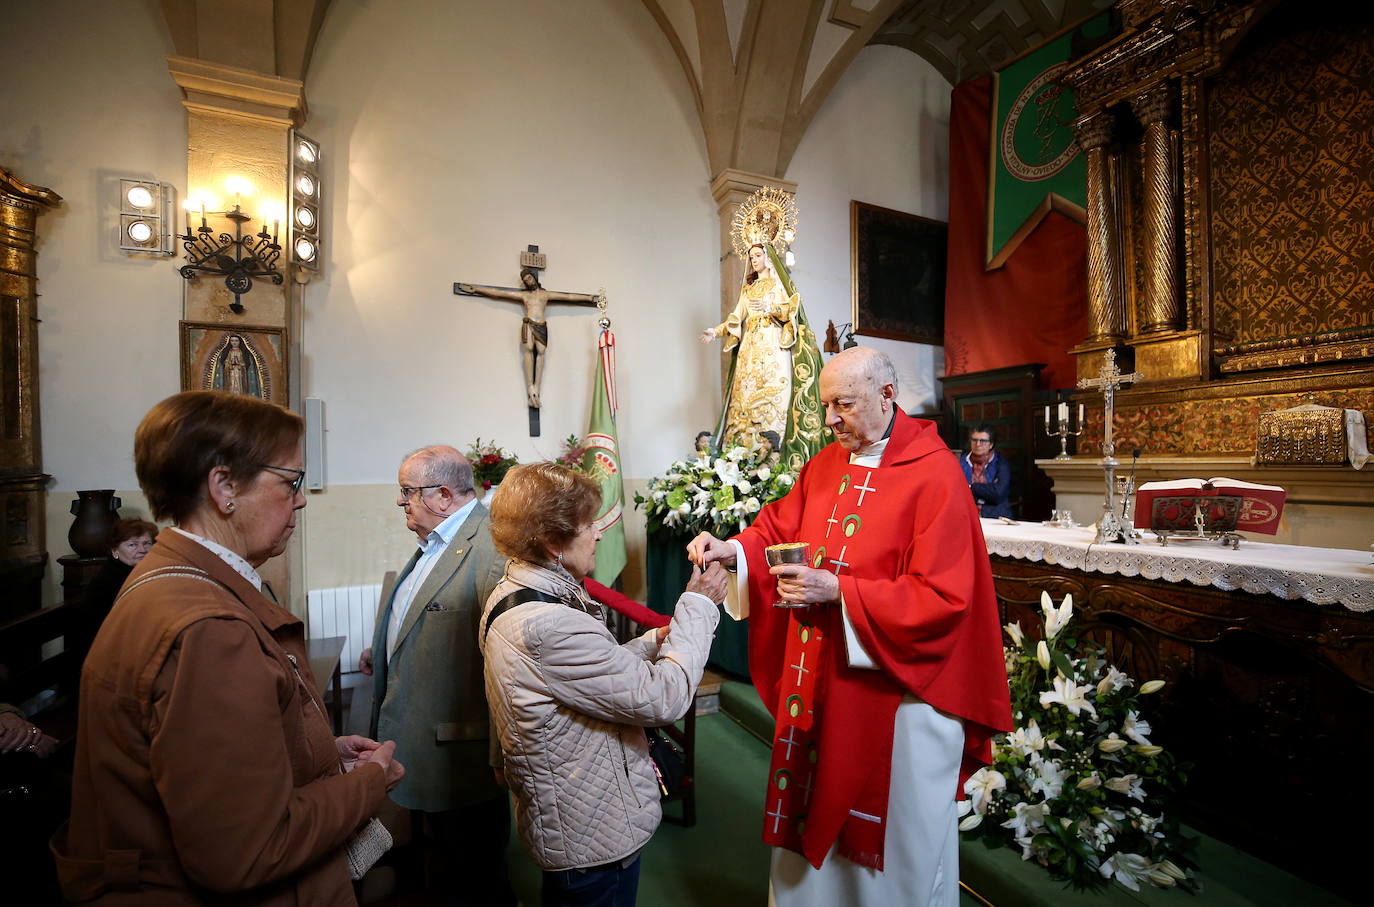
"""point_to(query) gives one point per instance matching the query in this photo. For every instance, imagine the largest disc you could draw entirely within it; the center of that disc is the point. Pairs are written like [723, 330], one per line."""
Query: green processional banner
[1034, 164]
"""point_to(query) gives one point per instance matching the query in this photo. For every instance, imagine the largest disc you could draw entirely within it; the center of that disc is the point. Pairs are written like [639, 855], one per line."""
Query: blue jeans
[600, 886]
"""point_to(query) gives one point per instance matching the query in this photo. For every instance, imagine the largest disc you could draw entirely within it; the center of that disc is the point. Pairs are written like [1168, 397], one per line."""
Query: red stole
[904, 540]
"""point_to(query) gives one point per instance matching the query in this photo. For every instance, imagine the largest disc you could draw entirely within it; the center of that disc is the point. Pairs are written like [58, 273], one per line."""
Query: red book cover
[1225, 504]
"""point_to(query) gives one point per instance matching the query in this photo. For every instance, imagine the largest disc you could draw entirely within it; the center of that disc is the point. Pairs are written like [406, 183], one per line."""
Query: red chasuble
[905, 542]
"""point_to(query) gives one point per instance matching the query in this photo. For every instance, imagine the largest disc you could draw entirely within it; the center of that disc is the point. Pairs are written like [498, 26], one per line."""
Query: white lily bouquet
[716, 494]
[1078, 786]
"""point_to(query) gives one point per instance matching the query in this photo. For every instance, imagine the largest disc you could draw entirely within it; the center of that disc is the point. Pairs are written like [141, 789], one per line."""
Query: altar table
[1268, 656]
[1323, 576]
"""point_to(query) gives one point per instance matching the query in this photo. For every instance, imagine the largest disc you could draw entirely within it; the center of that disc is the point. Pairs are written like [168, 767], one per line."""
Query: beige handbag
[366, 847]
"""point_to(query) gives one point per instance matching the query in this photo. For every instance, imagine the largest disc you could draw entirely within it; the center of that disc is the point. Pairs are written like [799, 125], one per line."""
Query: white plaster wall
[882, 137]
[92, 103]
[89, 100]
[455, 134]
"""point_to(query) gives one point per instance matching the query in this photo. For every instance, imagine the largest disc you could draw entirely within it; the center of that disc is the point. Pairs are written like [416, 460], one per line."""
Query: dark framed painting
[897, 272]
[240, 359]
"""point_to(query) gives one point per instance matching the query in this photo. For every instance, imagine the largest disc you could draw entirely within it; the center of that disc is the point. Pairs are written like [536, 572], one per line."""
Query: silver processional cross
[1111, 527]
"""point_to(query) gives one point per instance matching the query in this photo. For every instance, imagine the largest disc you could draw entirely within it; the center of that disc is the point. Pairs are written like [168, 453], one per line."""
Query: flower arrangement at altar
[719, 494]
[489, 463]
[573, 451]
[1078, 785]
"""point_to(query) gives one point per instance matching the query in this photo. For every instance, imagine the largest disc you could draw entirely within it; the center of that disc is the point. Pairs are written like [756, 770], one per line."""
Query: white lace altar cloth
[1323, 576]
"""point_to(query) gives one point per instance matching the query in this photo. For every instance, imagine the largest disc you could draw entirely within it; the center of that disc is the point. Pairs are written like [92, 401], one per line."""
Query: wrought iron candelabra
[237, 258]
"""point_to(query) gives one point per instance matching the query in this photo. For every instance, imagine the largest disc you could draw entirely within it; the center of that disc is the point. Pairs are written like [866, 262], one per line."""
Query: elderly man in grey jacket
[428, 693]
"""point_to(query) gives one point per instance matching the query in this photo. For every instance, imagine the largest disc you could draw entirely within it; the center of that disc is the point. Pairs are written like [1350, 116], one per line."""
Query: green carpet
[722, 859]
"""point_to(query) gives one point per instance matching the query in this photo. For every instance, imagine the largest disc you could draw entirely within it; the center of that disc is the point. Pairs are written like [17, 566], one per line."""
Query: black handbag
[669, 765]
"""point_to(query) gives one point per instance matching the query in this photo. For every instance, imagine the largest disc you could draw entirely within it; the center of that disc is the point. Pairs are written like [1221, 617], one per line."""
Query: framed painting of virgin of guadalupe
[897, 272]
[237, 359]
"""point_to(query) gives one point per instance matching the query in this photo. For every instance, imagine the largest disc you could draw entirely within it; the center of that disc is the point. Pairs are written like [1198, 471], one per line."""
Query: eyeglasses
[409, 491]
[980, 440]
[296, 482]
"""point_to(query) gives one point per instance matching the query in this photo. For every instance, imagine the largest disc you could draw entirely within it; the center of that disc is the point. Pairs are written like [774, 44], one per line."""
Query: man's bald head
[876, 366]
[442, 481]
[859, 392]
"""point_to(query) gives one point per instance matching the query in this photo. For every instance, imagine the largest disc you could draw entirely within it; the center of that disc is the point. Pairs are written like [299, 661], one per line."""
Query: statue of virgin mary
[775, 363]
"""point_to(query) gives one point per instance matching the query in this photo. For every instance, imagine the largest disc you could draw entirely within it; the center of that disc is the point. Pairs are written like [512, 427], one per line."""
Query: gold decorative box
[1311, 435]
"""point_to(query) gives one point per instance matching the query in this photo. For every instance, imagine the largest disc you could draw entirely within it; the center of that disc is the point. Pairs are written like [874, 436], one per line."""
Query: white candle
[1047, 414]
[1080, 415]
[1064, 414]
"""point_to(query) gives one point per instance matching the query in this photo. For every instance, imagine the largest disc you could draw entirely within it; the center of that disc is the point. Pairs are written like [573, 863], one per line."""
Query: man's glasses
[298, 474]
[409, 491]
[980, 440]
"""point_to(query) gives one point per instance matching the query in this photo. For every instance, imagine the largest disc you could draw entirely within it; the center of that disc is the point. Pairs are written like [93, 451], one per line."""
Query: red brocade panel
[1034, 308]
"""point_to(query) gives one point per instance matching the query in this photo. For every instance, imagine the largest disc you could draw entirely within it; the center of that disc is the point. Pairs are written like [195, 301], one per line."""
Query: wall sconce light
[237, 258]
[145, 216]
[306, 203]
[834, 335]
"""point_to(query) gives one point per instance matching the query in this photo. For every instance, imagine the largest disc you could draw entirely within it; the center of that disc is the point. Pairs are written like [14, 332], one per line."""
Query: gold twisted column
[1106, 307]
[1160, 307]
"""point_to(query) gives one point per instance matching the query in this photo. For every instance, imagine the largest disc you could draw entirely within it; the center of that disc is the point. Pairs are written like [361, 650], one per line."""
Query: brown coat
[204, 767]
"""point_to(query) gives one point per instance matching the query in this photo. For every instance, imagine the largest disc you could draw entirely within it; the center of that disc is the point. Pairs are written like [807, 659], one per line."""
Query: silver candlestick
[1063, 434]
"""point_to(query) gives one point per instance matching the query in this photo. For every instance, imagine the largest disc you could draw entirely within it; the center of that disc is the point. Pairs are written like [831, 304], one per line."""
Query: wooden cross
[534, 331]
[1109, 380]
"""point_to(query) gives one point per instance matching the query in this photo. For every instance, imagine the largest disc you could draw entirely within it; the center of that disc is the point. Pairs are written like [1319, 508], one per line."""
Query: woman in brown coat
[205, 769]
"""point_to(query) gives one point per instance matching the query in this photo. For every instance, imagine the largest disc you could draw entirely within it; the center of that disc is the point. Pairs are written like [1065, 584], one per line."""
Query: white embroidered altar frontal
[1323, 576]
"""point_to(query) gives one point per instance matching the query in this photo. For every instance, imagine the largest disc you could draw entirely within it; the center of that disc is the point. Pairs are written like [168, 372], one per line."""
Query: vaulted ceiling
[966, 38]
[760, 69]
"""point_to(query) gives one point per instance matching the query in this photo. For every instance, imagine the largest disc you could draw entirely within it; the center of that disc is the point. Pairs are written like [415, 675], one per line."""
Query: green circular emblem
[819, 557]
[851, 525]
[795, 705]
[1036, 142]
[782, 779]
[844, 484]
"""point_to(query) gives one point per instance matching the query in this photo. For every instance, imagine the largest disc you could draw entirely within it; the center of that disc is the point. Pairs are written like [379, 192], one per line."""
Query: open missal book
[1226, 504]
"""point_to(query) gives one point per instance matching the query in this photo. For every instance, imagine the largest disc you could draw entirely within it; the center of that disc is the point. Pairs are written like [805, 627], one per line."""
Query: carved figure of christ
[534, 331]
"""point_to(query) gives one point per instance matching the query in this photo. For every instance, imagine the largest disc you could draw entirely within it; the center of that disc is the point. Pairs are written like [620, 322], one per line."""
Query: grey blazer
[428, 696]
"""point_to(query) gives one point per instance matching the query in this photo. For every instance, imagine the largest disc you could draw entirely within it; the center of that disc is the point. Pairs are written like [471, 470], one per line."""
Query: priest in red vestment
[881, 658]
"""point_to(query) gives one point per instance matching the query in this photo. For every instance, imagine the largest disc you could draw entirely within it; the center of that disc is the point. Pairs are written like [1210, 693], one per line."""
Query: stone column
[729, 189]
[237, 124]
[1106, 304]
[236, 127]
[1158, 243]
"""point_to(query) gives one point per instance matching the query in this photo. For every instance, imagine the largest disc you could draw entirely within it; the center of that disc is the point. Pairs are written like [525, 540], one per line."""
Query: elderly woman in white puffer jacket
[570, 704]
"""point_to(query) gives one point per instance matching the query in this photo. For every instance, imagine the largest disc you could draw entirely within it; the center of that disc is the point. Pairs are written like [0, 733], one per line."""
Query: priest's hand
[801, 585]
[706, 549]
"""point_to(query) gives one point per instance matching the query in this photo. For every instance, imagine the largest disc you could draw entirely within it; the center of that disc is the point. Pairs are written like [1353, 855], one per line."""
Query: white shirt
[237, 563]
[430, 549]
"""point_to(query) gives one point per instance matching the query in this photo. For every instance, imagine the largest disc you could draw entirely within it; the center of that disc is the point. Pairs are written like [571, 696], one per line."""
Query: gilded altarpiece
[1239, 179]
[1231, 262]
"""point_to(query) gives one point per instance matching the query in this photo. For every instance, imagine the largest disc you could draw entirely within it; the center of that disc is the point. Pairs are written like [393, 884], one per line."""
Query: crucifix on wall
[534, 330]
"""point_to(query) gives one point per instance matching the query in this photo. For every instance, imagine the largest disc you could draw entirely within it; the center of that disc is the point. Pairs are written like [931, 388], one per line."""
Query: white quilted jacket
[570, 706]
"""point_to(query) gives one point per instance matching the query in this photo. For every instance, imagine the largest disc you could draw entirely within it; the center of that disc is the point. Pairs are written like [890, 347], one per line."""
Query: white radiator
[347, 611]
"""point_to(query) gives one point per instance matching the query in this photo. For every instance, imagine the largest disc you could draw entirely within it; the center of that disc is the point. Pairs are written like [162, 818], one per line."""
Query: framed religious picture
[897, 274]
[238, 358]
